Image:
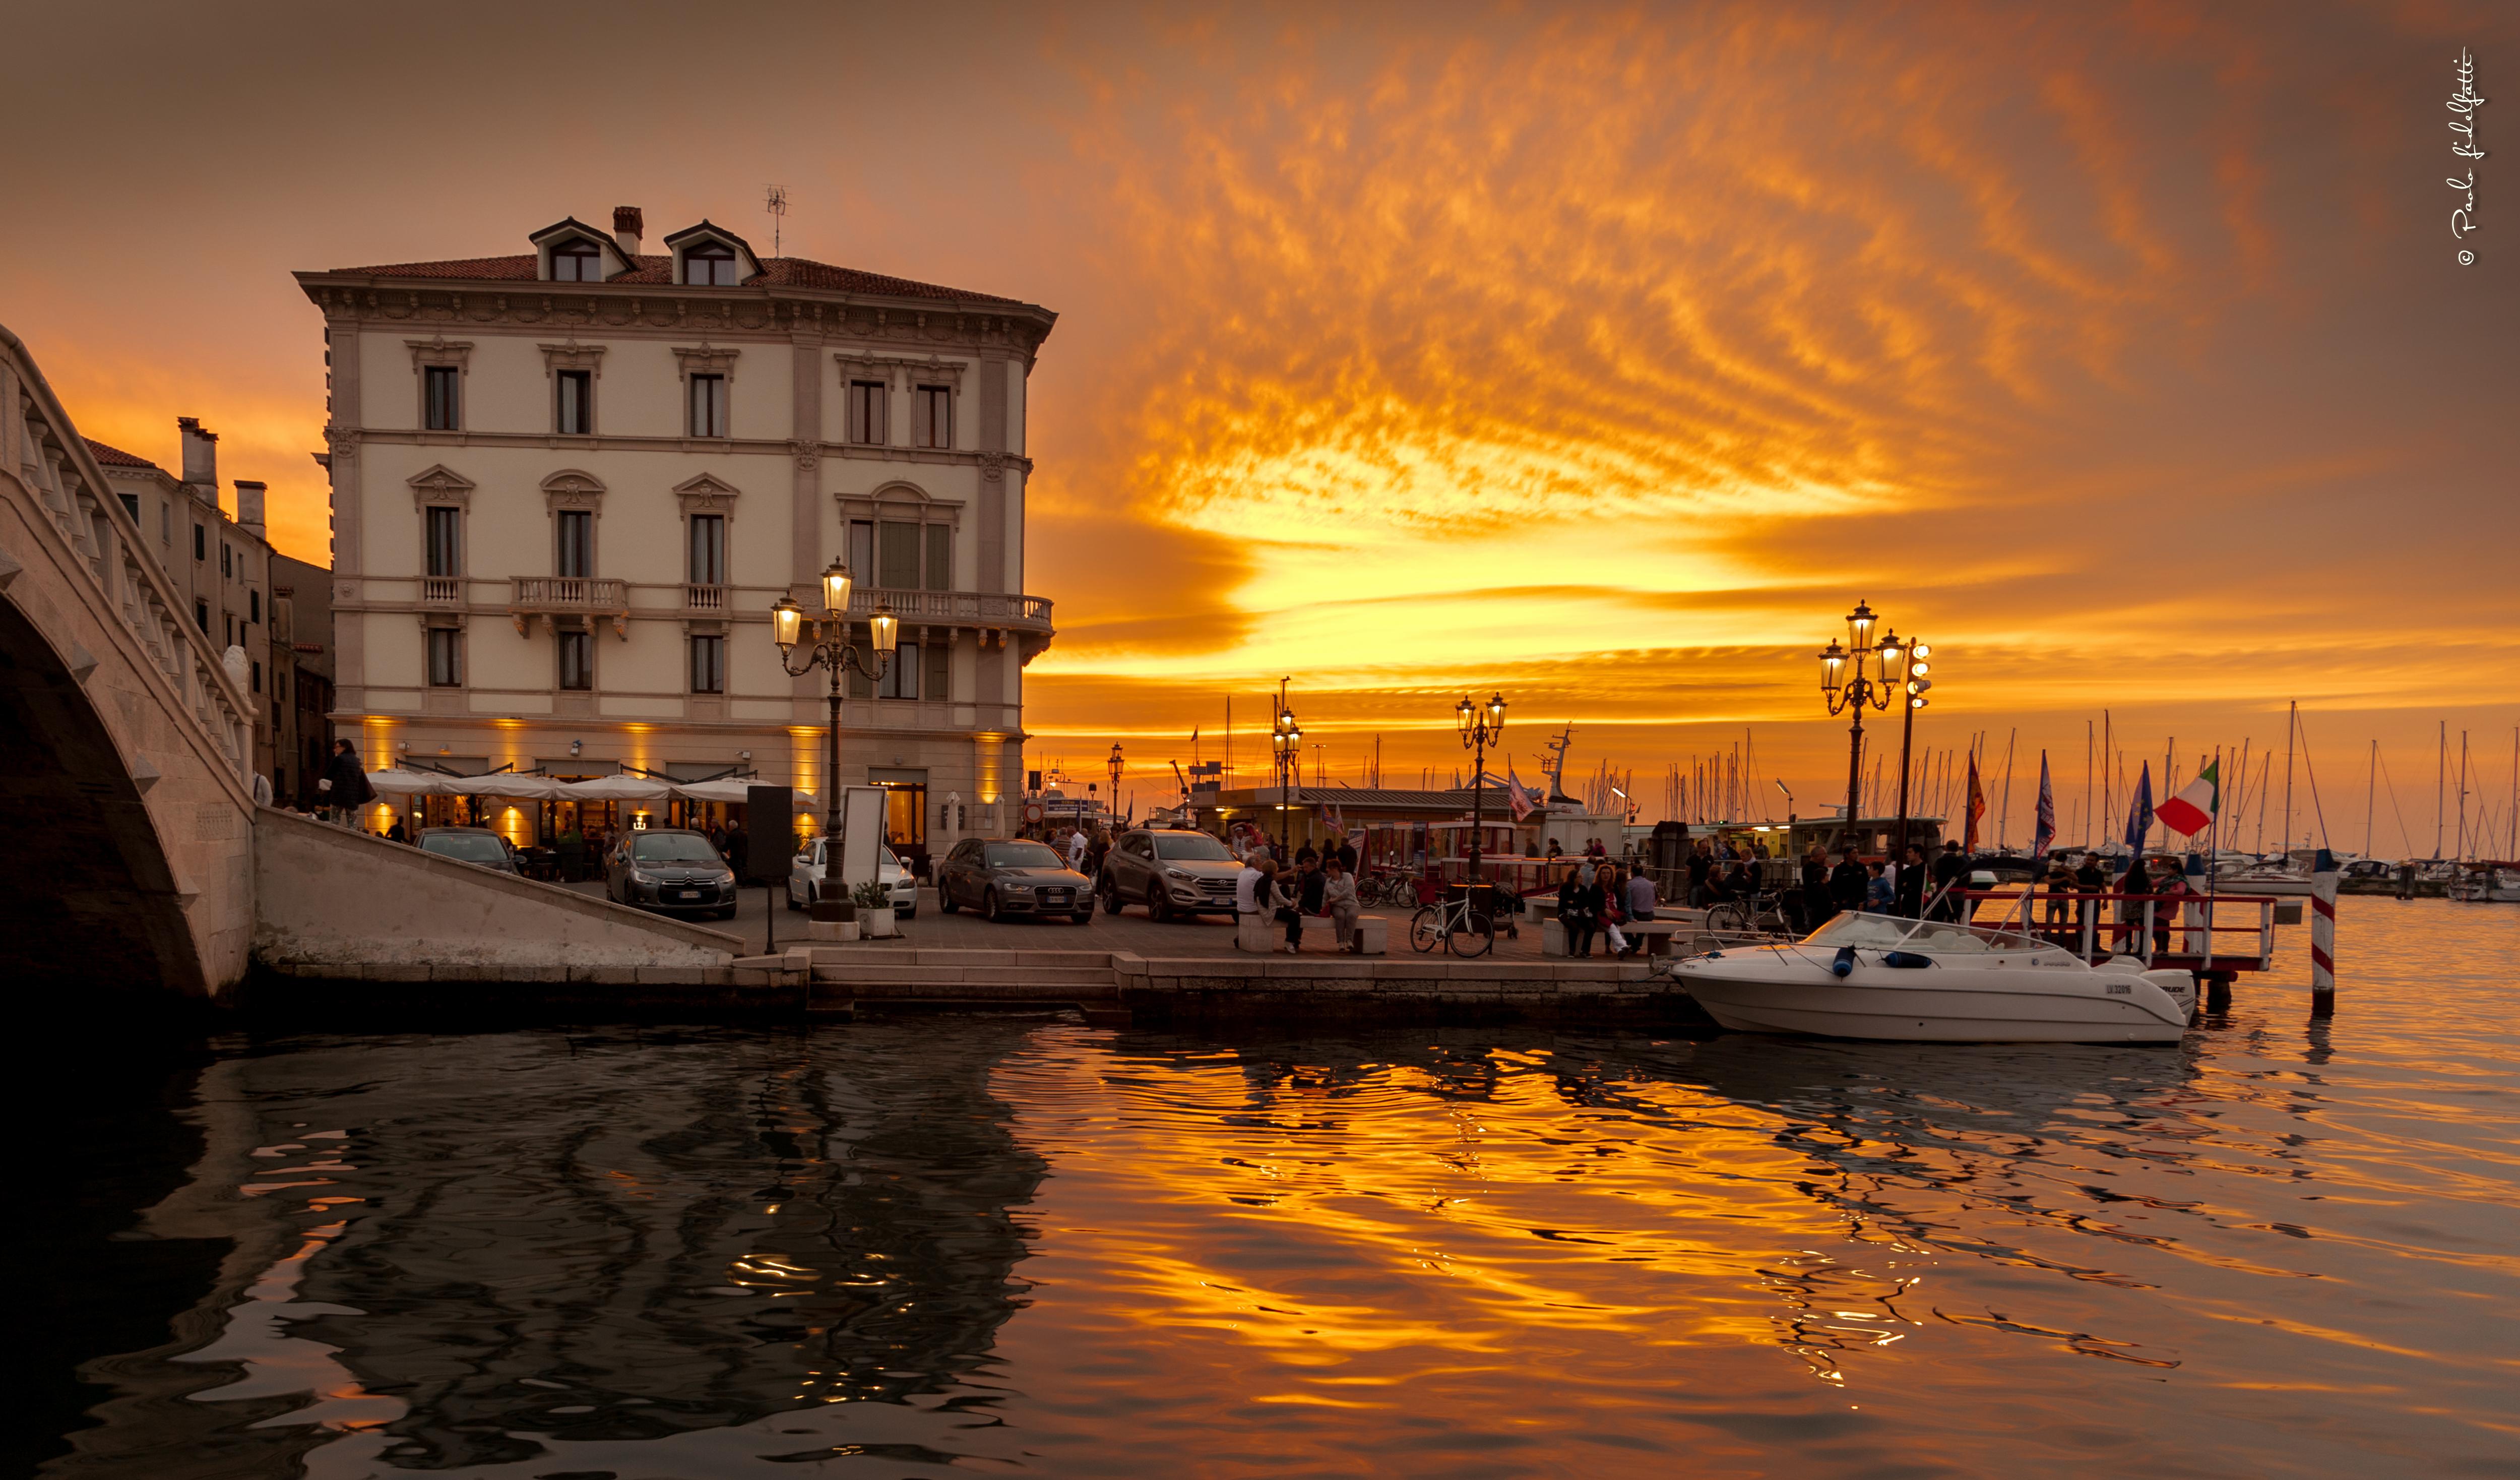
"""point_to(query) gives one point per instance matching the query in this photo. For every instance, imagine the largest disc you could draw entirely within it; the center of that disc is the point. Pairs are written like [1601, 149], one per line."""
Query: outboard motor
[2180, 985]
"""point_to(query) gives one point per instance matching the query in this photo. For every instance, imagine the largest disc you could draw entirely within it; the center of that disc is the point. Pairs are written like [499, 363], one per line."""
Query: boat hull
[1764, 992]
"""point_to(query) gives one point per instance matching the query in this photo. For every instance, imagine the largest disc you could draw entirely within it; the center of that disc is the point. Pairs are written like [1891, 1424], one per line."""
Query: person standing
[345, 783]
[1818, 902]
[1702, 867]
[1950, 870]
[1579, 910]
[1849, 882]
[1076, 846]
[2130, 891]
[1908, 886]
[1250, 891]
[1095, 852]
[738, 850]
[1880, 896]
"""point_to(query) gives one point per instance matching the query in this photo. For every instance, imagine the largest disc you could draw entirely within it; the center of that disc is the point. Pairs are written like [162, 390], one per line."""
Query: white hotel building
[567, 485]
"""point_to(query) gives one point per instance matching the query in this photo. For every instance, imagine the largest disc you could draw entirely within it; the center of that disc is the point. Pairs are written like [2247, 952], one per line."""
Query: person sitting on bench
[1339, 901]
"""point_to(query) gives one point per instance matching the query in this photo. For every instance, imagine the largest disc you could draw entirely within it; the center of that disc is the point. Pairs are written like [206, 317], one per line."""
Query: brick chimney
[200, 457]
[248, 515]
[627, 222]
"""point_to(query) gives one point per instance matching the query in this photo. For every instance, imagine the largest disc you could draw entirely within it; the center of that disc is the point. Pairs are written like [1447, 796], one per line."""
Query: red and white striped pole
[2323, 935]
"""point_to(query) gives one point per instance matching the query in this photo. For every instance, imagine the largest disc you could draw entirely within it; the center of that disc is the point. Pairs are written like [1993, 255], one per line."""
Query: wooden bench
[1661, 937]
[1263, 934]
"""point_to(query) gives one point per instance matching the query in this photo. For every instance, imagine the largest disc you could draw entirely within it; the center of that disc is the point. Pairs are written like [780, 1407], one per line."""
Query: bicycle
[1462, 929]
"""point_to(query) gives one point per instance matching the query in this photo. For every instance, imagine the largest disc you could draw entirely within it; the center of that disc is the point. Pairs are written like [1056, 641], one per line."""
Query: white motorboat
[1880, 976]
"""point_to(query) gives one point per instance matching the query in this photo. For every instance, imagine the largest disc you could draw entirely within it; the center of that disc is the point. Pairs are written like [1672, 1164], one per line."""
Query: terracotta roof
[776, 271]
[116, 457]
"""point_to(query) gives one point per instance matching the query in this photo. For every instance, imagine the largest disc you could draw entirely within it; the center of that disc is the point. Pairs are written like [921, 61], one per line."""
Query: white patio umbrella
[509, 783]
[728, 790]
[401, 782]
[615, 788]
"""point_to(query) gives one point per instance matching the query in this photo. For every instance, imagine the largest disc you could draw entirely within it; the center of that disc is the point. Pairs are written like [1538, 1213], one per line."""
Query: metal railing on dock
[2209, 934]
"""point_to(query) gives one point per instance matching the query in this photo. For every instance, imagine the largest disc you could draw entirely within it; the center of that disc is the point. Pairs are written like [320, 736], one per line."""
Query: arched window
[577, 261]
[710, 264]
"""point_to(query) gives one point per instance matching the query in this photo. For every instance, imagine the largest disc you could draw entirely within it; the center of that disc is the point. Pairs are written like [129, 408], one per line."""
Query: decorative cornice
[706, 494]
[440, 350]
[545, 441]
[899, 372]
[706, 358]
[441, 485]
[573, 356]
[570, 488]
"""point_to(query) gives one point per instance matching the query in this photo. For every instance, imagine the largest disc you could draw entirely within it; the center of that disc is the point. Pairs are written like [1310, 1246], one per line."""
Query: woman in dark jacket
[344, 784]
[1579, 910]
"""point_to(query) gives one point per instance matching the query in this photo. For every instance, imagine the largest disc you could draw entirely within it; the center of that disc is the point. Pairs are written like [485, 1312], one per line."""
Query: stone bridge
[124, 795]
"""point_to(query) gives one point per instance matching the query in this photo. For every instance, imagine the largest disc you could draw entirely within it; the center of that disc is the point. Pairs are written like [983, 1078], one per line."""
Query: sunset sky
[1598, 355]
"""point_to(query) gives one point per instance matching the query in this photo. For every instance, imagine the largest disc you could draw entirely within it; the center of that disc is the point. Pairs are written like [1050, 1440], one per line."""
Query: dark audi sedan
[672, 871]
[1002, 880]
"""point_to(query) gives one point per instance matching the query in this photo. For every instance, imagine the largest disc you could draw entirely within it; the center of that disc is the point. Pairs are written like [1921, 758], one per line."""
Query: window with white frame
[933, 422]
[446, 658]
[577, 659]
[573, 402]
[445, 538]
[708, 664]
[708, 406]
[710, 264]
[577, 261]
[867, 402]
[708, 549]
[442, 398]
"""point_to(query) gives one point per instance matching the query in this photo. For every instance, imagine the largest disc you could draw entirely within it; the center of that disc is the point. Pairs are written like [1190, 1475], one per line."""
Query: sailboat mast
[2003, 824]
[2292, 720]
[2441, 774]
[2371, 785]
[2461, 850]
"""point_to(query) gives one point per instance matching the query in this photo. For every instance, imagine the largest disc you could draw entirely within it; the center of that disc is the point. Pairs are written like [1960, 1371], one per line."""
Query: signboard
[862, 815]
[766, 811]
[1033, 813]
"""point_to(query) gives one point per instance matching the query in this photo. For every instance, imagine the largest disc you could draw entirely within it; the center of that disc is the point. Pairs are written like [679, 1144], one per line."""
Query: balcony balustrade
[554, 597]
[441, 590]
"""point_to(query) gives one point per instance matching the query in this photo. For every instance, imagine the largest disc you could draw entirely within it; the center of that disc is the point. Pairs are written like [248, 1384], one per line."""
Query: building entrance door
[905, 817]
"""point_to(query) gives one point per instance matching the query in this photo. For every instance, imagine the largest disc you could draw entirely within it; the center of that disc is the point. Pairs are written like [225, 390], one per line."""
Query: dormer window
[577, 261]
[710, 264]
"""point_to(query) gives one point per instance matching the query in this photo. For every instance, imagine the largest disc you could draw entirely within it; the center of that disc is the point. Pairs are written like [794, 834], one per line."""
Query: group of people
[1597, 898]
[1321, 881]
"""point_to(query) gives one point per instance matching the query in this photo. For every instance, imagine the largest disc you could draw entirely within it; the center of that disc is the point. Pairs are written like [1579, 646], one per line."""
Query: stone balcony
[567, 598]
[988, 610]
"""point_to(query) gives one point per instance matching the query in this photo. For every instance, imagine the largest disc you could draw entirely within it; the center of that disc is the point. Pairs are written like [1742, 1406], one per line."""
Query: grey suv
[1175, 872]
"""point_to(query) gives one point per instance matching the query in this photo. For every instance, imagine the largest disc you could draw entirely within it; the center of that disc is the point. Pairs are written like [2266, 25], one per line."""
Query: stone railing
[698, 598]
[54, 467]
[961, 608]
[568, 596]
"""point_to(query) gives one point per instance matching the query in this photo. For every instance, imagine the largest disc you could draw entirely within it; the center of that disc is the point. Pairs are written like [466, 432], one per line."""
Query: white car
[805, 871]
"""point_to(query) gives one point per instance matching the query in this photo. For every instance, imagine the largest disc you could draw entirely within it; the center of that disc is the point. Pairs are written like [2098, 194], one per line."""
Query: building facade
[221, 565]
[569, 484]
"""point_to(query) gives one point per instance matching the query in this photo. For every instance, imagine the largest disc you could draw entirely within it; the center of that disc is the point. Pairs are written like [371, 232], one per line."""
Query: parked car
[472, 845]
[1176, 873]
[806, 871]
[1019, 877]
[672, 871]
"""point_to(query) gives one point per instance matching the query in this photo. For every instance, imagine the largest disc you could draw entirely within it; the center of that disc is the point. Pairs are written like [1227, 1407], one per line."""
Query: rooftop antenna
[777, 206]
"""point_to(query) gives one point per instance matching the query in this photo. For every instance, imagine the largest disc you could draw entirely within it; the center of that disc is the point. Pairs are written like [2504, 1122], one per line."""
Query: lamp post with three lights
[1287, 742]
[827, 645]
[1868, 673]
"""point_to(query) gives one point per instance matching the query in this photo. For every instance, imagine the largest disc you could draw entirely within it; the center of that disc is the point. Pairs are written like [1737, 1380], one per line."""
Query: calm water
[978, 1246]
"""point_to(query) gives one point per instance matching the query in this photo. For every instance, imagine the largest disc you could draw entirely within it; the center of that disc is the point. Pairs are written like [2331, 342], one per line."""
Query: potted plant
[875, 907]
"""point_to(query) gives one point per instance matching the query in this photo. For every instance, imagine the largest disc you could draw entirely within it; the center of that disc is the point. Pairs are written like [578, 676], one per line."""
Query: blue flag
[2138, 817]
[2045, 837]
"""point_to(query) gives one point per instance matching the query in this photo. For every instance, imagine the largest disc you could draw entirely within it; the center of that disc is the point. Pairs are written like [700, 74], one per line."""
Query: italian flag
[2195, 804]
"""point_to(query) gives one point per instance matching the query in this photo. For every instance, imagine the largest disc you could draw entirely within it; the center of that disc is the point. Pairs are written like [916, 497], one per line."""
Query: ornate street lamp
[1856, 677]
[1286, 741]
[1911, 674]
[1115, 766]
[827, 645]
[1481, 725]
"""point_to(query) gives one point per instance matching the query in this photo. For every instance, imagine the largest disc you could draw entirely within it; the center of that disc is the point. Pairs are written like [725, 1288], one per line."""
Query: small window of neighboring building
[574, 416]
[446, 658]
[257, 688]
[867, 406]
[934, 424]
[445, 541]
[130, 506]
[201, 615]
[711, 264]
[577, 659]
[576, 543]
[165, 522]
[200, 543]
[708, 406]
[227, 558]
[254, 606]
[441, 387]
[708, 664]
[577, 261]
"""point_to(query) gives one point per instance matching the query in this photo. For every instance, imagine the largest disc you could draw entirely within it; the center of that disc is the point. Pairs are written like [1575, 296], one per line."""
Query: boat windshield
[1884, 932]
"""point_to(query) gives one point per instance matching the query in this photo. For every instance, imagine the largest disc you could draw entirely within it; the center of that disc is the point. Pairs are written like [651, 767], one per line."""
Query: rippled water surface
[980, 1246]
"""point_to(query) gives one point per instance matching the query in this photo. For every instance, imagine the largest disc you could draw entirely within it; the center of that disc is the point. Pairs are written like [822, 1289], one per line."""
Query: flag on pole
[1976, 808]
[1514, 795]
[2045, 837]
[2196, 805]
[2138, 817]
